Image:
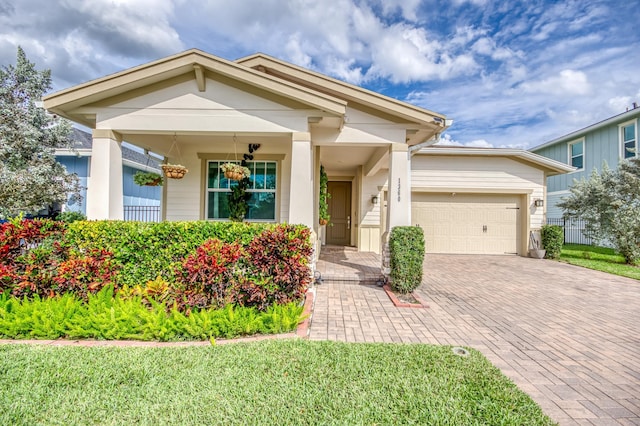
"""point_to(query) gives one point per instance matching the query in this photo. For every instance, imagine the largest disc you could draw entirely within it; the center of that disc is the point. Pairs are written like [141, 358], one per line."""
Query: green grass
[598, 258]
[284, 382]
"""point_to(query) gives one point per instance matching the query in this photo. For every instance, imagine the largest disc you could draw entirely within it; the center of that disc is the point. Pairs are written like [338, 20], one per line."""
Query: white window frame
[622, 141]
[570, 157]
[225, 190]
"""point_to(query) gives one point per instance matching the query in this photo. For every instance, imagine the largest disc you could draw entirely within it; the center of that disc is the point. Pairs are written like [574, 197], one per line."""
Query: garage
[464, 223]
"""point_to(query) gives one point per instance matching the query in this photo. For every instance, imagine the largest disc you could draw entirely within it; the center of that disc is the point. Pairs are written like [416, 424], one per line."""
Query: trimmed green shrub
[552, 237]
[70, 217]
[149, 250]
[406, 244]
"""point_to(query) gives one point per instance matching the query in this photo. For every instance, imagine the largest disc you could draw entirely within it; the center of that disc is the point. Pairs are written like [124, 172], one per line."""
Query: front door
[339, 228]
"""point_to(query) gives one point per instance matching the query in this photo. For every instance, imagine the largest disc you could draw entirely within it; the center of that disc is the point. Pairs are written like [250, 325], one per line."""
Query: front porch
[348, 265]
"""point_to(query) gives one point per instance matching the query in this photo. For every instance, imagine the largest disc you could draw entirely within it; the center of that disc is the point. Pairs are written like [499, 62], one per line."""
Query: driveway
[568, 336]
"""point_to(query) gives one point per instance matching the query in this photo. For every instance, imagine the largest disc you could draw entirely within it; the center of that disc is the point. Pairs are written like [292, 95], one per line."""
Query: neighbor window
[576, 154]
[628, 134]
[262, 188]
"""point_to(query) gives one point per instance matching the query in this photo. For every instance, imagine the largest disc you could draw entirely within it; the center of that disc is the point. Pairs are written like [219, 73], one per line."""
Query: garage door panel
[468, 223]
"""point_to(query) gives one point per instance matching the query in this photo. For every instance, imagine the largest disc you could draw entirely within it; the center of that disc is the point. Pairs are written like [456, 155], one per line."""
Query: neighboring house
[200, 110]
[609, 141]
[139, 202]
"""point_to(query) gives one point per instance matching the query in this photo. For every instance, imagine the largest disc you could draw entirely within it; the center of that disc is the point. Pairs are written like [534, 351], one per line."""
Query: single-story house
[201, 111]
[139, 202]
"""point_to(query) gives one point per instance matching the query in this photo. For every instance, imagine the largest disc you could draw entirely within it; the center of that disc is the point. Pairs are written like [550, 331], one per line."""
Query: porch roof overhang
[550, 167]
[422, 125]
[68, 103]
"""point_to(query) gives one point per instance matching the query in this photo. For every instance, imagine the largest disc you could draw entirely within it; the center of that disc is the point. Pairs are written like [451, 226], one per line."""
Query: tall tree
[30, 177]
[609, 203]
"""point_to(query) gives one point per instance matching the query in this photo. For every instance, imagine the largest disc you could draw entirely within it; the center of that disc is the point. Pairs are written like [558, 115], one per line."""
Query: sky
[510, 73]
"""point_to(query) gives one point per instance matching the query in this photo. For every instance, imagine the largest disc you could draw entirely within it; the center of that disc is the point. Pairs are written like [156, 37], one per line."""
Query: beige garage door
[468, 223]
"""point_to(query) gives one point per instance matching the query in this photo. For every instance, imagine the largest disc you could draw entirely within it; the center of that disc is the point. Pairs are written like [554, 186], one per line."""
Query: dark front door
[339, 229]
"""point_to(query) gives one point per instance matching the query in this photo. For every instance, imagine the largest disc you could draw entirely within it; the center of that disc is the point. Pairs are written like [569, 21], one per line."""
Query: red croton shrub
[211, 272]
[33, 261]
[279, 260]
[85, 273]
[272, 269]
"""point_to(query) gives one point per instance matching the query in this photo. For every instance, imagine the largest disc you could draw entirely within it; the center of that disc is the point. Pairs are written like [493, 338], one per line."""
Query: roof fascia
[549, 165]
[627, 115]
[153, 72]
[349, 91]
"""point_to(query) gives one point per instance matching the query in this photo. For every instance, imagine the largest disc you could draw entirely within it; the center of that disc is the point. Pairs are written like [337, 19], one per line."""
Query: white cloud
[405, 54]
[568, 82]
[479, 143]
[619, 103]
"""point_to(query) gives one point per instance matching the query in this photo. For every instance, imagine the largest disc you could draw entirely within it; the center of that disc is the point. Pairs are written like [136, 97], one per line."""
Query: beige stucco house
[200, 111]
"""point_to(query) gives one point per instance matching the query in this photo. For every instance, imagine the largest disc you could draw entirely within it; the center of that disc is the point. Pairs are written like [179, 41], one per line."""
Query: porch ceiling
[345, 159]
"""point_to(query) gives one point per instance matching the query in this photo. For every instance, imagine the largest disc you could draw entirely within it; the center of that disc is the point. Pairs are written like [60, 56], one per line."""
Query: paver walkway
[568, 336]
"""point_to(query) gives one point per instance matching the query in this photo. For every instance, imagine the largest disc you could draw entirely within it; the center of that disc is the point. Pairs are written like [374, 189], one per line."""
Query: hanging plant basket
[147, 178]
[234, 171]
[174, 171]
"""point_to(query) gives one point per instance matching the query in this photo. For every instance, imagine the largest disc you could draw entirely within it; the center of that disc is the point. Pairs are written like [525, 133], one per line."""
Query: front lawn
[598, 258]
[286, 382]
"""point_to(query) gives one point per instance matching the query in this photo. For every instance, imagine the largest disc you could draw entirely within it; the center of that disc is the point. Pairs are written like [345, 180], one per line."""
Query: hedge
[190, 264]
[406, 244]
[552, 237]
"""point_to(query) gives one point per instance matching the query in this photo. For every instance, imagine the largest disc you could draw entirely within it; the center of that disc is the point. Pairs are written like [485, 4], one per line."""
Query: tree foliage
[609, 203]
[30, 177]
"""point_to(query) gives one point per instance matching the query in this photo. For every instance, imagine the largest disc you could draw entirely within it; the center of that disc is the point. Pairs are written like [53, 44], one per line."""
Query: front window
[576, 154]
[262, 188]
[629, 141]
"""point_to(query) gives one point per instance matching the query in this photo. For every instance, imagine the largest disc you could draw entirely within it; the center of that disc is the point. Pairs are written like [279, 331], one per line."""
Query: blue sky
[509, 73]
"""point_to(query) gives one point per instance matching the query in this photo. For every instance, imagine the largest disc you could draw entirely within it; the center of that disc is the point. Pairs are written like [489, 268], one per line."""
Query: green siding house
[609, 141]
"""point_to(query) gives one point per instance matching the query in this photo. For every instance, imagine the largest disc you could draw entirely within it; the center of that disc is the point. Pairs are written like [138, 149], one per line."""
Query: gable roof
[616, 119]
[64, 102]
[551, 167]
[427, 123]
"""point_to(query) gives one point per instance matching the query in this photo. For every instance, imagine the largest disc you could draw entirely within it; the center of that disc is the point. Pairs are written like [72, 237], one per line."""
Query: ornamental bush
[406, 244]
[552, 237]
[148, 250]
[189, 265]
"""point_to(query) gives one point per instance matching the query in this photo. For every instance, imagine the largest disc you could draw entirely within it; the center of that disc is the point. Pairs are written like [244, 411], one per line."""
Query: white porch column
[399, 198]
[302, 177]
[104, 192]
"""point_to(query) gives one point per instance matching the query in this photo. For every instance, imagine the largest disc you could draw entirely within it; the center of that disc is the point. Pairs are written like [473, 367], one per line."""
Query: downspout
[417, 147]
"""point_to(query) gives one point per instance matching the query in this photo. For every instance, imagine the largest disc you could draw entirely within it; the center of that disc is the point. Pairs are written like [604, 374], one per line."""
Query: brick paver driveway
[568, 336]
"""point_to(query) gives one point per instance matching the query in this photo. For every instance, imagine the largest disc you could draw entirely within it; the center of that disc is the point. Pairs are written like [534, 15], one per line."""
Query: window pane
[629, 133]
[262, 205]
[271, 176]
[213, 175]
[629, 149]
[218, 205]
[577, 161]
[576, 149]
[259, 175]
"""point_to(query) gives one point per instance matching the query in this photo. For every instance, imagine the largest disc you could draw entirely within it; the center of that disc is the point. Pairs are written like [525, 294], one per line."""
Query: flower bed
[185, 265]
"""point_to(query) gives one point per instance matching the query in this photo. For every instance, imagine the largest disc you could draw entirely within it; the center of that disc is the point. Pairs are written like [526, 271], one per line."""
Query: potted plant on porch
[174, 171]
[147, 178]
[235, 171]
[323, 208]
